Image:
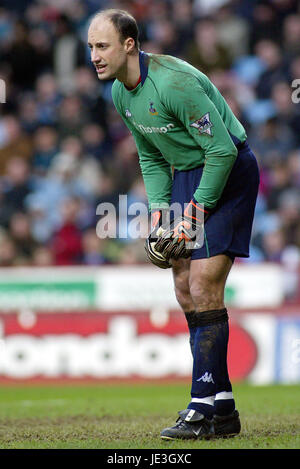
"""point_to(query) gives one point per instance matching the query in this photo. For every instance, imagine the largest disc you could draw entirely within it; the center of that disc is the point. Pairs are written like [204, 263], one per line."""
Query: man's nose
[95, 57]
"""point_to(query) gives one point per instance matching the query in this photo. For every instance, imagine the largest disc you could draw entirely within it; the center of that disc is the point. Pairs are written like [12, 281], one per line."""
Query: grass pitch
[131, 416]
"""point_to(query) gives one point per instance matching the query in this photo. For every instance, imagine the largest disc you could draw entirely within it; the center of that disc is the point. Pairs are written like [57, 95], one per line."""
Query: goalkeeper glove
[184, 234]
[158, 217]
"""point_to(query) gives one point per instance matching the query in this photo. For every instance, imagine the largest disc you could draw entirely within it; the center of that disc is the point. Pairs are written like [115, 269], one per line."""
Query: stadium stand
[64, 149]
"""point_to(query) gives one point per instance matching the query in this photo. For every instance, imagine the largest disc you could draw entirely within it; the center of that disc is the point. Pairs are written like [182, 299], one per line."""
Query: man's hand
[184, 234]
[158, 217]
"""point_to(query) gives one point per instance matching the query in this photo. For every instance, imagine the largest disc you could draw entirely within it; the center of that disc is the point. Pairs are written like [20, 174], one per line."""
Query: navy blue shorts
[228, 228]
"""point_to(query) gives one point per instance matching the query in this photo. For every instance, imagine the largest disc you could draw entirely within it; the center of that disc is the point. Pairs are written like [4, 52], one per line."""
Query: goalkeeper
[193, 152]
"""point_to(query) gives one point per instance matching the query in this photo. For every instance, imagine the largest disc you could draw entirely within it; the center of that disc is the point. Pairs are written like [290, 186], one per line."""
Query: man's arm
[157, 177]
[193, 108]
[156, 172]
[155, 169]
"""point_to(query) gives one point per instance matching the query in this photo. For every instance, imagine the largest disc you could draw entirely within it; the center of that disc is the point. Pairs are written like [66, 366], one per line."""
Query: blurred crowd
[64, 150]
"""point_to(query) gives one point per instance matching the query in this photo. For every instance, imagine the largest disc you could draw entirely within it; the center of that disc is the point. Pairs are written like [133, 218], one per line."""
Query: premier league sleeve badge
[203, 125]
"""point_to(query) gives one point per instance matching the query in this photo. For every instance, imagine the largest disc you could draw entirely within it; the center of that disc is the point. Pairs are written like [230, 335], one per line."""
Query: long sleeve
[190, 104]
[156, 171]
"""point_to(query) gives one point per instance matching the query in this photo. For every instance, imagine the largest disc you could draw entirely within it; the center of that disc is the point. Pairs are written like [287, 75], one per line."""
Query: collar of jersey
[143, 66]
[143, 59]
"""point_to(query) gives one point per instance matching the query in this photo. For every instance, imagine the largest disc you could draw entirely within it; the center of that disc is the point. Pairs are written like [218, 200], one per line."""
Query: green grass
[131, 416]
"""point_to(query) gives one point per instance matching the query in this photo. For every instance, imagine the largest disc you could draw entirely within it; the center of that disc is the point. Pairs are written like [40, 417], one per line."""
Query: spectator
[8, 252]
[272, 141]
[279, 180]
[16, 185]
[206, 51]
[273, 245]
[64, 150]
[64, 177]
[48, 99]
[289, 213]
[287, 112]
[93, 248]
[42, 256]
[88, 89]
[13, 141]
[163, 32]
[294, 167]
[233, 32]
[43, 220]
[265, 23]
[95, 141]
[291, 35]
[68, 54]
[71, 117]
[89, 171]
[22, 58]
[45, 148]
[66, 244]
[40, 40]
[270, 55]
[183, 20]
[20, 231]
[28, 113]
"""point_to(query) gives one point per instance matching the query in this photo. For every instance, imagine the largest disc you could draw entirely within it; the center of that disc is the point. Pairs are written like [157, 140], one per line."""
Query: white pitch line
[32, 402]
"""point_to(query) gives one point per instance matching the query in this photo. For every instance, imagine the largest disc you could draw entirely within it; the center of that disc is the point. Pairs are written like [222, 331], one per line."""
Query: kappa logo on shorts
[128, 113]
[203, 125]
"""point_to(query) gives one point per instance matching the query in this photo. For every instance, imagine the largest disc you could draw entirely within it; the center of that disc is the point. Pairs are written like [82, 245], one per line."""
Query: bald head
[123, 22]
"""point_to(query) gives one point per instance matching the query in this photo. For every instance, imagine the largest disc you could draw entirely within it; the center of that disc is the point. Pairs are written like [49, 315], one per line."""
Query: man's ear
[129, 44]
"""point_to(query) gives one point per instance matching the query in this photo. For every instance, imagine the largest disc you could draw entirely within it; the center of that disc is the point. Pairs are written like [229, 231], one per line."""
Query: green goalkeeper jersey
[179, 119]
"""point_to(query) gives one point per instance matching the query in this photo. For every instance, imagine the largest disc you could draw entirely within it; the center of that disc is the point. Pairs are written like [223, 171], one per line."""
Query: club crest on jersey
[203, 125]
[128, 113]
[152, 109]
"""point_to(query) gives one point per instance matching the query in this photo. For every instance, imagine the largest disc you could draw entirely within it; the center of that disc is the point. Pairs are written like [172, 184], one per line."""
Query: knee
[199, 290]
[201, 284]
[207, 282]
[184, 300]
[206, 292]
[183, 296]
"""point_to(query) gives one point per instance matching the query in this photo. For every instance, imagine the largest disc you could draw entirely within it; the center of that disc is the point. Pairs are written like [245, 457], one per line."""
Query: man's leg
[210, 374]
[190, 424]
[207, 282]
[181, 275]
[200, 285]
